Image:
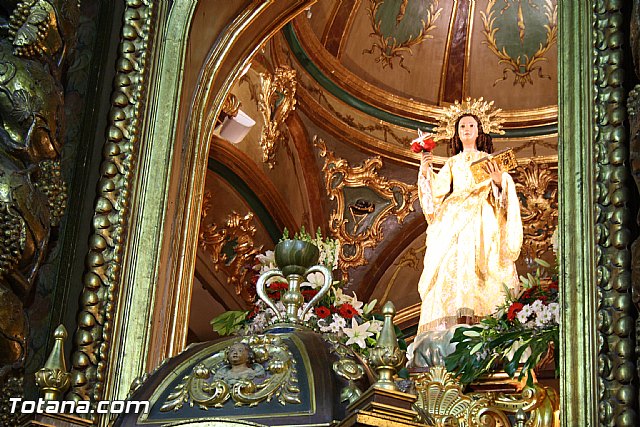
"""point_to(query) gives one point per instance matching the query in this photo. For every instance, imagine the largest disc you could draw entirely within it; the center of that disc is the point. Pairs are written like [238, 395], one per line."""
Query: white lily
[315, 280]
[358, 333]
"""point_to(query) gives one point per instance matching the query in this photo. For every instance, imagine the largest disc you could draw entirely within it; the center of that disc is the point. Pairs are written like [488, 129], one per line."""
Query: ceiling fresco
[341, 92]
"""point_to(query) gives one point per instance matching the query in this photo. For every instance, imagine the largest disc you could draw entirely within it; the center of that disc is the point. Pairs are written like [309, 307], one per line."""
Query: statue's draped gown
[474, 237]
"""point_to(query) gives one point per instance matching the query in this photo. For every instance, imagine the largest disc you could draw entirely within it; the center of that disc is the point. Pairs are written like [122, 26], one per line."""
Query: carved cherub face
[238, 354]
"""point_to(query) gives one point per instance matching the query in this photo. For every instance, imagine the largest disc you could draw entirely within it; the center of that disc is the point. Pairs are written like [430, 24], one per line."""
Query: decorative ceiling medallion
[538, 186]
[276, 100]
[520, 32]
[364, 201]
[231, 248]
[398, 25]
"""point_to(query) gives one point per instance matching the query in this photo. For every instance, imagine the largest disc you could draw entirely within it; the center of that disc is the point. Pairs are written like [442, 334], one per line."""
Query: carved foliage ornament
[267, 371]
[231, 248]
[364, 201]
[442, 402]
[275, 102]
[398, 29]
[523, 58]
[32, 192]
[539, 208]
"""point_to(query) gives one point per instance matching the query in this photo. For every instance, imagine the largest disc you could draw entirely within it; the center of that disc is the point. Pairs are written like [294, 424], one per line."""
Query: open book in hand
[505, 159]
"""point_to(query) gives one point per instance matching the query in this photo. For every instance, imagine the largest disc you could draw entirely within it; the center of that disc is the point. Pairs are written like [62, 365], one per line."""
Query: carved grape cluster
[12, 229]
[52, 185]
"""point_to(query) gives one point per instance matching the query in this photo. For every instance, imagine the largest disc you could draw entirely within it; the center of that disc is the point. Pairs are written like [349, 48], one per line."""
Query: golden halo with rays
[489, 118]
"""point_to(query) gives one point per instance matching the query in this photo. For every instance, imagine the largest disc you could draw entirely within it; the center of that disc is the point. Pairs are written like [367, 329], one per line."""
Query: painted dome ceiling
[401, 62]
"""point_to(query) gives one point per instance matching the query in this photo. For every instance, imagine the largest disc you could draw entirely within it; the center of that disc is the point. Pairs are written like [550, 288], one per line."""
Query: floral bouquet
[344, 317]
[424, 142]
[521, 332]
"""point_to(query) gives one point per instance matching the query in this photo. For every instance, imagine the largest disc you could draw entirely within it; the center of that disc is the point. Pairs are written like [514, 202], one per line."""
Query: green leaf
[475, 348]
[542, 262]
[471, 333]
[511, 366]
[229, 322]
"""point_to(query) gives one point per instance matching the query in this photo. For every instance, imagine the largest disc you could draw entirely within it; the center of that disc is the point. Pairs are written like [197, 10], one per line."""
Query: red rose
[308, 294]
[420, 145]
[429, 144]
[278, 286]
[275, 296]
[322, 312]
[554, 285]
[416, 147]
[513, 310]
[347, 311]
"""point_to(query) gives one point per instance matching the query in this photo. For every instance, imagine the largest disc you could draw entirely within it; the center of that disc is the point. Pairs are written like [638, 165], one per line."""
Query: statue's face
[238, 354]
[468, 129]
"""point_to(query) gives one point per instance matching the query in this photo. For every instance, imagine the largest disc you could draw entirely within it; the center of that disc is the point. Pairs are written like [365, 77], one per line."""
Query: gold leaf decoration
[358, 226]
[524, 66]
[211, 383]
[236, 238]
[275, 102]
[538, 185]
[388, 47]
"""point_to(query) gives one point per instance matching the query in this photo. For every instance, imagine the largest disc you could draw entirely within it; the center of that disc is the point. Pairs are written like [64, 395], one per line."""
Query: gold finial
[489, 117]
[386, 357]
[53, 379]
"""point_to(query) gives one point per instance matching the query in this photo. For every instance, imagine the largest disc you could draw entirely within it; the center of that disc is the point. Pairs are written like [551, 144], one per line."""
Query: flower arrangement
[344, 317]
[424, 142]
[521, 332]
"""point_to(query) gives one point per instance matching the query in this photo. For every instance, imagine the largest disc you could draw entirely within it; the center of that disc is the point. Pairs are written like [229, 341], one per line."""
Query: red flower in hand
[322, 312]
[513, 310]
[347, 311]
[424, 142]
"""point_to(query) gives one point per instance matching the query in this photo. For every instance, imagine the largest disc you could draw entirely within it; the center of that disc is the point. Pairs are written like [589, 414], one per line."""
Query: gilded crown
[489, 117]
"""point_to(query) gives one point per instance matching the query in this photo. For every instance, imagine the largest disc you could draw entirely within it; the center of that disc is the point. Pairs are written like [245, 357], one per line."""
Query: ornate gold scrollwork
[231, 248]
[390, 47]
[353, 222]
[538, 184]
[521, 70]
[275, 101]
[266, 370]
[441, 399]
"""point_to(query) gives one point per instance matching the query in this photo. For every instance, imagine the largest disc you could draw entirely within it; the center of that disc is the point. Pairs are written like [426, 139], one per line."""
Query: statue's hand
[427, 158]
[494, 172]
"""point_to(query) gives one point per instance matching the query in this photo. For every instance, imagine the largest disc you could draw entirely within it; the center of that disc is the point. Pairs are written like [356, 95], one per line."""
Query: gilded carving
[249, 372]
[360, 229]
[612, 202]
[95, 320]
[538, 186]
[522, 62]
[231, 248]
[633, 109]
[389, 44]
[277, 99]
[441, 399]
[53, 379]
[33, 54]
